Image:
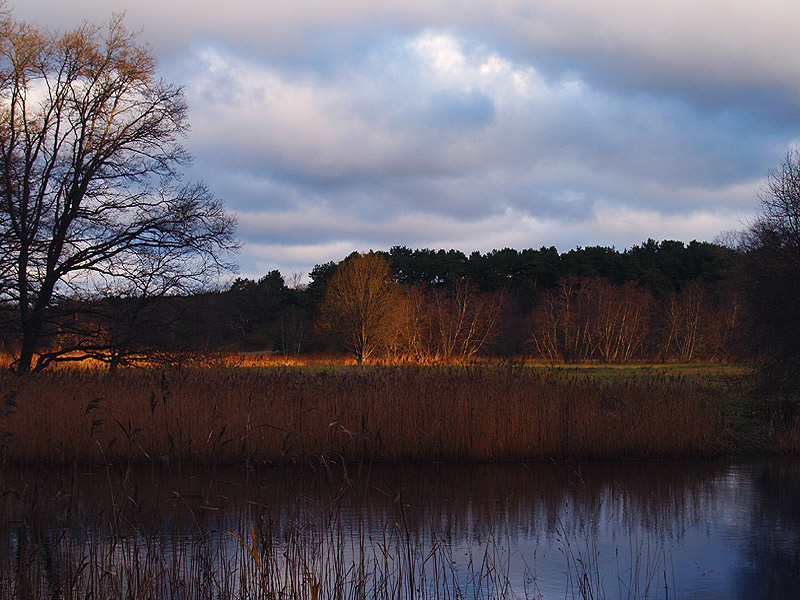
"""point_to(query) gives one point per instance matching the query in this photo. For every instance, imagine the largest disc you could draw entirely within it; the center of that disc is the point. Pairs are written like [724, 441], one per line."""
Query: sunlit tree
[364, 306]
[91, 202]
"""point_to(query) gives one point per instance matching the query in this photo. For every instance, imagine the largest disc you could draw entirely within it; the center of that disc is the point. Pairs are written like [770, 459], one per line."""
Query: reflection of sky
[700, 549]
[696, 529]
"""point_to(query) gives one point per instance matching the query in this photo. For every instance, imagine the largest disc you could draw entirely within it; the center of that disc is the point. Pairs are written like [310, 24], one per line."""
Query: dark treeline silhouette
[656, 301]
[661, 267]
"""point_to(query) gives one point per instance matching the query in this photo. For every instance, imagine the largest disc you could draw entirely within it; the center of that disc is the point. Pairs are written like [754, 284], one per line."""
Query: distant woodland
[107, 254]
[658, 301]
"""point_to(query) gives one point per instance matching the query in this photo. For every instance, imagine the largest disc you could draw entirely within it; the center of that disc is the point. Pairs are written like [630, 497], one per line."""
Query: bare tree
[364, 305]
[562, 323]
[772, 278]
[465, 321]
[620, 319]
[686, 322]
[585, 319]
[91, 203]
[417, 327]
[725, 332]
[293, 327]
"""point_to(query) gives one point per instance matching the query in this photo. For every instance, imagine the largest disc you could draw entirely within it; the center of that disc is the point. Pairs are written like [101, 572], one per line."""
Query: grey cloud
[349, 141]
[330, 126]
[469, 110]
[711, 44]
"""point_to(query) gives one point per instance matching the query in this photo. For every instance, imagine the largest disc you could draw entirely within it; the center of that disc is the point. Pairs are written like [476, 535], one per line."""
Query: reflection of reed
[462, 497]
[389, 532]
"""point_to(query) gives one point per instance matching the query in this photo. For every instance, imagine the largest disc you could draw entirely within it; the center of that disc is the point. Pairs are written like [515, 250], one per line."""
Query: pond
[633, 529]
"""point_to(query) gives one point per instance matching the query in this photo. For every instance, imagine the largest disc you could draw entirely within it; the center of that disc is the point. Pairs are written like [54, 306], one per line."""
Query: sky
[328, 127]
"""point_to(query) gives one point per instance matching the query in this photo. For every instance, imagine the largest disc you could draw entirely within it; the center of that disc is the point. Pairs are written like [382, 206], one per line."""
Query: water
[677, 529]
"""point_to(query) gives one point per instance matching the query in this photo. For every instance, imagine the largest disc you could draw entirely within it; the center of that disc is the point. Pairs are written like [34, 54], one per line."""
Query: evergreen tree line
[656, 301]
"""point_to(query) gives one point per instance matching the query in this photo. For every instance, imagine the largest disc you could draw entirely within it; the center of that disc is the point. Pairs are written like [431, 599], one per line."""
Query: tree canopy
[91, 202]
[363, 305]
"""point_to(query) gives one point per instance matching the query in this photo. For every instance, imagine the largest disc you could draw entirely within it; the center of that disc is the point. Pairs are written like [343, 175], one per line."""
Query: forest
[658, 301]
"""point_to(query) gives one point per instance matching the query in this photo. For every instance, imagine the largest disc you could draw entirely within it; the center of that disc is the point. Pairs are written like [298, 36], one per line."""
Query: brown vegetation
[364, 306]
[217, 415]
[376, 318]
[582, 319]
[451, 326]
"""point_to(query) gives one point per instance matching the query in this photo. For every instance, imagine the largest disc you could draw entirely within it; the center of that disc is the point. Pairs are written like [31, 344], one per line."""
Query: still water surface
[677, 529]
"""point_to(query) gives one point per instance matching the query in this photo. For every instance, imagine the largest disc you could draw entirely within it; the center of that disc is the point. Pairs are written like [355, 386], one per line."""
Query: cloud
[433, 111]
[329, 127]
[706, 40]
[710, 42]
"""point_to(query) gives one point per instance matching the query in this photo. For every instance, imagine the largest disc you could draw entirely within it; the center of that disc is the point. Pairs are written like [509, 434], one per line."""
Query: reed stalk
[223, 415]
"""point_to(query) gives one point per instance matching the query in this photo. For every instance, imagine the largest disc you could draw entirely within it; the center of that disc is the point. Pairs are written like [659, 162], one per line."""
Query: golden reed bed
[220, 415]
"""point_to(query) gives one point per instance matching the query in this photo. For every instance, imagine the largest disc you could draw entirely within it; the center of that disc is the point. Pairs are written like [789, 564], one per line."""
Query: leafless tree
[586, 319]
[772, 278]
[465, 321]
[91, 202]
[620, 320]
[562, 323]
[687, 322]
[293, 328]
[365, 306]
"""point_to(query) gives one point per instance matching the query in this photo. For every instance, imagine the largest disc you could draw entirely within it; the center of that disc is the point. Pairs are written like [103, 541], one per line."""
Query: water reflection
[771, 568]
[710, 529]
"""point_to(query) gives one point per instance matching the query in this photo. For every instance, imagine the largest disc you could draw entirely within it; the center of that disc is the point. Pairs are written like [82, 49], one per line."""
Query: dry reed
[221, 415]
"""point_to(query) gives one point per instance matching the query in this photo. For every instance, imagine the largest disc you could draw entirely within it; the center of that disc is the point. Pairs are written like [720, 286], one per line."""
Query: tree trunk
[29, 339]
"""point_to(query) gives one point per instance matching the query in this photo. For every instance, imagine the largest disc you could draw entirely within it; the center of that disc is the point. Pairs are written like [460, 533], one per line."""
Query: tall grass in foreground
[283, 415]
